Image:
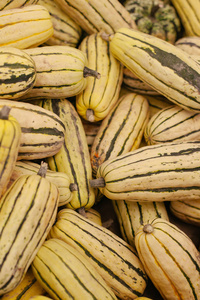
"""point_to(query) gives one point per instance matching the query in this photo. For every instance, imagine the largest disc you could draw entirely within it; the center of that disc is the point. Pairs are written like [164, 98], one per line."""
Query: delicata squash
[170, 259]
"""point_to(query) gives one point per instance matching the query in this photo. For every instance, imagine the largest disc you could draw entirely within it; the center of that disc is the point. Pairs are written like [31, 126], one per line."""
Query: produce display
[99, 150]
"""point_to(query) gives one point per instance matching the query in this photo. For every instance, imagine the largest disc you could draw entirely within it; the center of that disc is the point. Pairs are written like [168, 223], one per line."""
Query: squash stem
[89, 72]
[73, 187]
[82, 212]
[106, 36]
[43, 169]
[97, 183]
[90, 115]
[108, 223]
[4, 113]
[148, 228]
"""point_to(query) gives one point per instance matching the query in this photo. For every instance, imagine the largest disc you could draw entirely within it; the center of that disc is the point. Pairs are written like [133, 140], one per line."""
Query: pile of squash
[100, 149]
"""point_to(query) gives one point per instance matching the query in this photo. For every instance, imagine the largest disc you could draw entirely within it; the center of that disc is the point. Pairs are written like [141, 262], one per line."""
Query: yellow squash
[25, 27]
[94, 15]
[170, 259]
[10, 138]
[100, 95]
[27, 212]
[62, 72]
[66, 274]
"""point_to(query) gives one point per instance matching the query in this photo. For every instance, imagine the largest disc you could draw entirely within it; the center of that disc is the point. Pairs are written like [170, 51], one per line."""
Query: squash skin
[163, 247]
[156, 18]
[165, 67]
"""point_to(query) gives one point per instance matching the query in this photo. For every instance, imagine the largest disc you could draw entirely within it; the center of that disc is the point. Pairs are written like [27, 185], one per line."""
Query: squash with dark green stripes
[156, 103]
[163, 66]
[170, 259]
[18, 73]
[100, 95]
[188, 11]
[10, 137]
[131, 215]
[25, 27]
[189, 44]
[27, 288]
[62, 72]
[91, 129]
[60, 179]
[115, 260]
[93, 215]
[95, 16]
[186, 210]
[66, 30]
[8, 4]
[136, 85]
[173, 124]
[163, 172]
[122, 129]
[66, 274]
[42, 132]
[73, 158]
[27, 212]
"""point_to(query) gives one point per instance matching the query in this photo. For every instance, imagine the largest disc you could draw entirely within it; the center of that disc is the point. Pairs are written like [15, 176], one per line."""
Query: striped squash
[10, 137]
[188, 11]
[163, 66]
[27, 212]
[42, 132]
[123, 91]
[189, 44]
[164, 172]
[136, 85]
[25, 27]
[66, 31]
[61, 72]
[66, 274]
[115, 260]
[73, 158]
[10, 4]
[60, 179]
[122, 129]
[196, 58]
[26, 289]
[170, 259]
[156, 103]
[186, 210]
[93, 215]
[18, 73]
[91, 129]
[173, 124]
[94, 16]
[98, 98]
[131, 215]
[40, 297]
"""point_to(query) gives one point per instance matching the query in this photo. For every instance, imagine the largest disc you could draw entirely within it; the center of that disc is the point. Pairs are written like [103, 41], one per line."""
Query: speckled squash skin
[155, 17]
